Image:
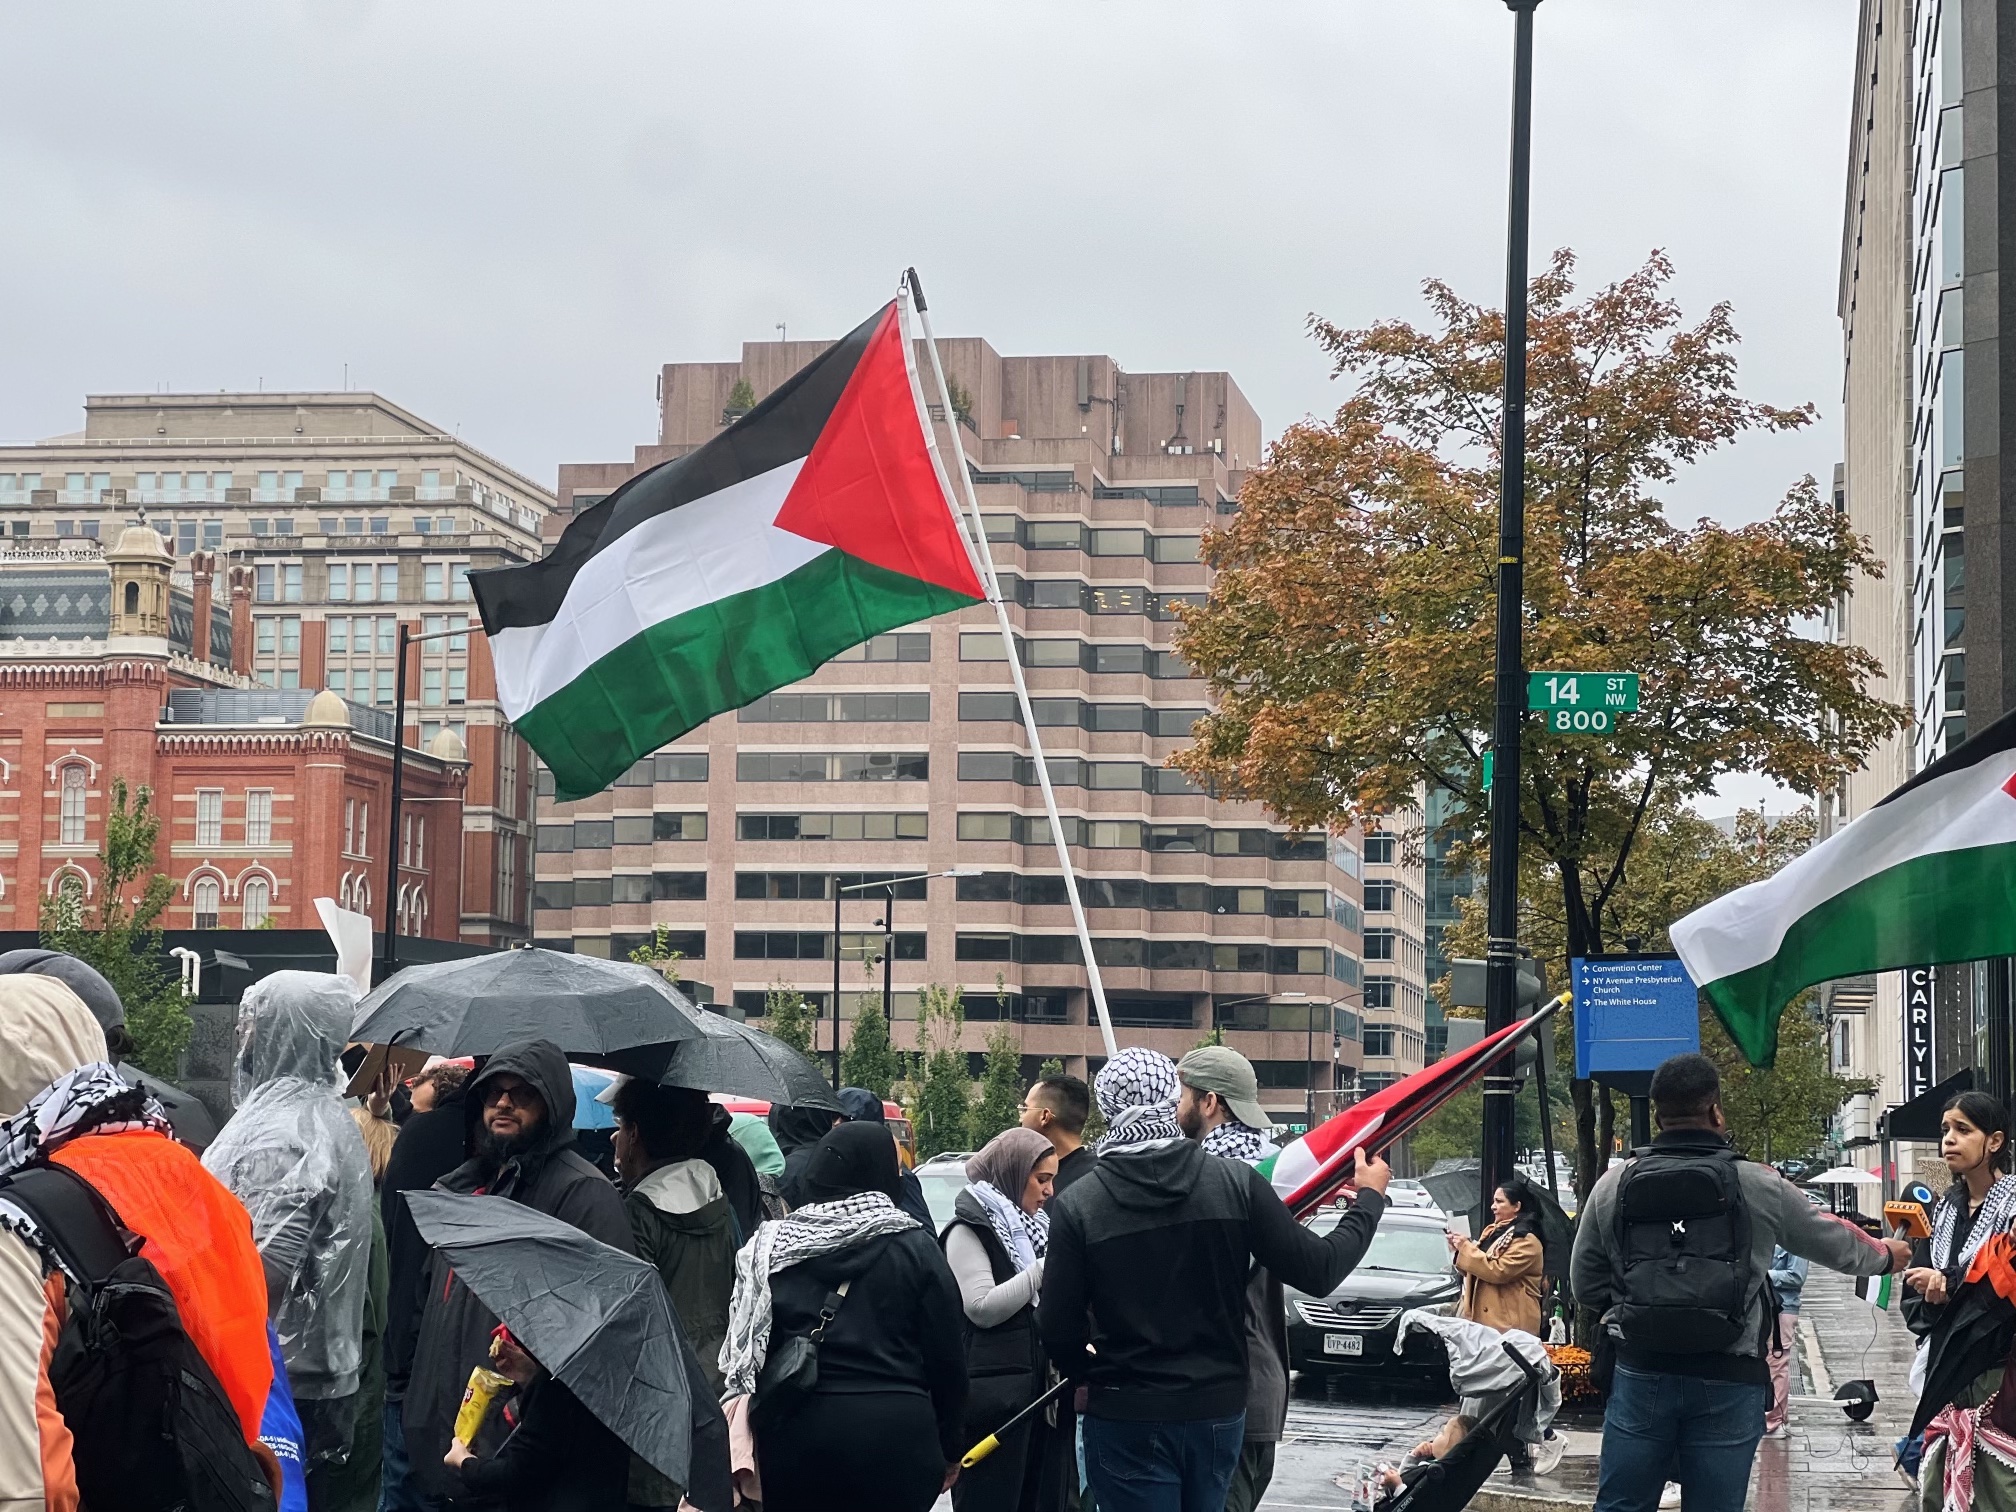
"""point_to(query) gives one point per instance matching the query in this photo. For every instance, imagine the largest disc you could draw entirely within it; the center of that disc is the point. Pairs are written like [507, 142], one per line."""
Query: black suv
[1350, 1332]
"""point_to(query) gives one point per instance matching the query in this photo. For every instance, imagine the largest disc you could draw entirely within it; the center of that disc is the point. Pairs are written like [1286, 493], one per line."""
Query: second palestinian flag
[815, 522]
[1925, 878]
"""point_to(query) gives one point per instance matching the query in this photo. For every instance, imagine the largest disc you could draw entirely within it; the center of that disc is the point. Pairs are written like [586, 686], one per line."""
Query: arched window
[132, 598]
[71, 831]
[258, 896]
[402, 911]
[207, 897]
[343, 892]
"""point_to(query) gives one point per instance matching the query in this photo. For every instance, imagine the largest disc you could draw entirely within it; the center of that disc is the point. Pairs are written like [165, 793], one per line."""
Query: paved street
[1332, 1436]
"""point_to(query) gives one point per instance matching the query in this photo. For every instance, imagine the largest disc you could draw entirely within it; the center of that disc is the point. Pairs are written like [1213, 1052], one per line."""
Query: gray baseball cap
[79, 976]
[1213, 1068]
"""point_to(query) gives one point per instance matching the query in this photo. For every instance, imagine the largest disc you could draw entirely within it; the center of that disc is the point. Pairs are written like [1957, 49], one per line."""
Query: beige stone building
[1396, 981]
[907, 757]
[318, 522]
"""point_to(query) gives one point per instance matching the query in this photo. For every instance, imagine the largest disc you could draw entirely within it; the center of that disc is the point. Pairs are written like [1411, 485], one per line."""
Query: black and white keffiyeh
[818, 1228]
[1233, 1140]
[93, 1099]
[1137, 1092]
[1998, 1207]
[1024, 1235]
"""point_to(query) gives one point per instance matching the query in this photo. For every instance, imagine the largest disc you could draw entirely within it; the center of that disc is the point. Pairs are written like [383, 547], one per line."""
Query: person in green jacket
[683, 1225]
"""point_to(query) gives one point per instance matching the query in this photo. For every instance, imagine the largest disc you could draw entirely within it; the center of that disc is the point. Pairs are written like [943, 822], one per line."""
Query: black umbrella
[187, 1116]
[727, 1056]
[592, 1009]
[1972, 1337]
[597, 1319]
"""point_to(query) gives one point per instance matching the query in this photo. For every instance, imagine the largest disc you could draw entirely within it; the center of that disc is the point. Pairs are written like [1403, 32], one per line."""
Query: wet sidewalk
[1826, 1463]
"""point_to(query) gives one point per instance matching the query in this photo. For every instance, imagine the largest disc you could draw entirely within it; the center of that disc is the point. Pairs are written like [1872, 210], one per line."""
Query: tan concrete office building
[322, 520]
[907, 757]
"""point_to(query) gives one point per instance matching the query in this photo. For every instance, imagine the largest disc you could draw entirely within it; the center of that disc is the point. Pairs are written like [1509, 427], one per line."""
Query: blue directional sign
[1632, 1012]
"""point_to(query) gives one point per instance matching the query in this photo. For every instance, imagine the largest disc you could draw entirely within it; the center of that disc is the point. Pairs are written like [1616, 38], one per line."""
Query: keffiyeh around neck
[1137, 1092]
[1233, 1140]
[820, 1228]
[1023, 1234]
[1997, 1208]
[93, 1099]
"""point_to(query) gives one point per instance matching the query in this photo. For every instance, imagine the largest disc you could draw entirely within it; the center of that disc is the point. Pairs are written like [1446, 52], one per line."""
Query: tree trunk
[1583, 1091]
[1606, 1131]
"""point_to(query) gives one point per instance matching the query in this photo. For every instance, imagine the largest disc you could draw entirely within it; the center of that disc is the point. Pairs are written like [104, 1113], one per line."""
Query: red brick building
[111, 667]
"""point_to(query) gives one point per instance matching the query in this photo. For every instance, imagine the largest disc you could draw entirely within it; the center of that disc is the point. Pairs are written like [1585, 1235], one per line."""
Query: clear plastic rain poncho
[292, 1154]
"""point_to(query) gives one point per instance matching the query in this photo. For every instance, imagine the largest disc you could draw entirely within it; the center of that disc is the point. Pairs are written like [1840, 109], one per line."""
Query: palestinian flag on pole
[816, 521]
[1925, 878]
[1309, 1171]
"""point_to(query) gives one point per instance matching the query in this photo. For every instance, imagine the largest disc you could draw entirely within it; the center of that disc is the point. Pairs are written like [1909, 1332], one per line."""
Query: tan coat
[1503, 1279]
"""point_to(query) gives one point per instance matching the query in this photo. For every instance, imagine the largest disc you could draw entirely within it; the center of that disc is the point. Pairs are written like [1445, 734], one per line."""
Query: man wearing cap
[1219, 1106]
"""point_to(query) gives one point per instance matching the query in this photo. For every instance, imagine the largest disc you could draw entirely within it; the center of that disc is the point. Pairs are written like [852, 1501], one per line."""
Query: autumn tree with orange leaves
[1349, 635]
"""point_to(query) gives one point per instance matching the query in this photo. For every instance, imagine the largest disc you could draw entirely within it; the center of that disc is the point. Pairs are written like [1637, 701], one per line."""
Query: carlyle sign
[1917, 1031]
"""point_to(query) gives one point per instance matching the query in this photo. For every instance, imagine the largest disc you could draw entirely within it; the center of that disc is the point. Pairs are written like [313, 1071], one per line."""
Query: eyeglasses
[522, 1096]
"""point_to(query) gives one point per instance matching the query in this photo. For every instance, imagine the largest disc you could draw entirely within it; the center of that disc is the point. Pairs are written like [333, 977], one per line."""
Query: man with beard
[1219, 1106]
[522, 1105]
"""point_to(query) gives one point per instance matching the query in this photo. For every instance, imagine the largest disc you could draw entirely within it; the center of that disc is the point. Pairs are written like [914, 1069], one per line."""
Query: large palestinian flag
[1925, 878]
[816, 521]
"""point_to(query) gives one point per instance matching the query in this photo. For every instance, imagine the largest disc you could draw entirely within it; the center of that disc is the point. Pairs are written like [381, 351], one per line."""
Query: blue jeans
[1162, 1467]
[1659, 1427]
[397, 1490]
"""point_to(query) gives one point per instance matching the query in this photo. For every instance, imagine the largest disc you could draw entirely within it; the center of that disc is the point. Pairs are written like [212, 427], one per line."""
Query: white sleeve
[986, 1303]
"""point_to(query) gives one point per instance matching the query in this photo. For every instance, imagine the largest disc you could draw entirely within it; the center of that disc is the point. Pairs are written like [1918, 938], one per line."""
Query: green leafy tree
[1215, 1037]
[1349, 636]
[787, 1017]
[1051, 1066]
[962, 400]
[122, 935]
[742, 396]
[1785, 1111]
[1000, 1104]
[658, 954]
[943, 1114]
[870, 1060]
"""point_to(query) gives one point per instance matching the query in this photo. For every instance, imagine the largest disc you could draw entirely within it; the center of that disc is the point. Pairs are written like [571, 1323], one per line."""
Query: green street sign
[1487, 771]
[1582, 703]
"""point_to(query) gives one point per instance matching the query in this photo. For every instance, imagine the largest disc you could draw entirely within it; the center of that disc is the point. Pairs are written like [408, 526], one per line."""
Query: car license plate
[1344, 1344]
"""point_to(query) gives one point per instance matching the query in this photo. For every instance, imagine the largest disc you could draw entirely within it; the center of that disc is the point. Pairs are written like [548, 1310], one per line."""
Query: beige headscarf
[45, 1032]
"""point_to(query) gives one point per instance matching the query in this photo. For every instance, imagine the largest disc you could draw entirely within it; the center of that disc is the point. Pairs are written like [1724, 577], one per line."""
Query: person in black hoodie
[863, 1106]
[520, 1106]
[797, 1131]
[1147, 1263]
[737, 1172]
[880, 1431]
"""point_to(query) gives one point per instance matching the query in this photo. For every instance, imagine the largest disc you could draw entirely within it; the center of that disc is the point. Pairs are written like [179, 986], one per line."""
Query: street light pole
[888, 944]
[1501, 987]
[389, 961]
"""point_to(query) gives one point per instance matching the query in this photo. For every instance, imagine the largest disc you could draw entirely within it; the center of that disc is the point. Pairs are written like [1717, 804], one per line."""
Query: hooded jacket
[197, 1236]
[429, 1146]
[1148, 1263]
[293, 1155]
[549, 1175]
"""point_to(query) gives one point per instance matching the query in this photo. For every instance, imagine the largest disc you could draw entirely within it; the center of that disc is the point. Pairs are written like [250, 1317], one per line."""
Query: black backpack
[154, 1430]
[1683, 1252]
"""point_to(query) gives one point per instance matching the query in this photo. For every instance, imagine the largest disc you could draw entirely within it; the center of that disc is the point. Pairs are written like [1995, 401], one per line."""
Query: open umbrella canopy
[187, 1116]
[1844, 1176]
[592, 1009]
[595, 1318]
[727, 1056]
[590, 1082]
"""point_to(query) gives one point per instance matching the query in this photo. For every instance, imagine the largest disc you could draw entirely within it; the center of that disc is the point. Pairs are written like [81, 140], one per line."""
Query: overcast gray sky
[505, 216]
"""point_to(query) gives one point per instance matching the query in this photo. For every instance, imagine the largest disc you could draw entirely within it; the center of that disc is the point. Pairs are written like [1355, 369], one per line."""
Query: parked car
[1405, 1192]
[1351, 1331]
[943, 1177]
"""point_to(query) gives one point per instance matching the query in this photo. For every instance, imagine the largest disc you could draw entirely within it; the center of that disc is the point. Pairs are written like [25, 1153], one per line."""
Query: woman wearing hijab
[995, 1245]
[881, 1428]
[1503, 1267]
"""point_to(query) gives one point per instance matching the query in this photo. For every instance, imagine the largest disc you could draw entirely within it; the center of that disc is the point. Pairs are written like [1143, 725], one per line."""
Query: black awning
[1919, 1118]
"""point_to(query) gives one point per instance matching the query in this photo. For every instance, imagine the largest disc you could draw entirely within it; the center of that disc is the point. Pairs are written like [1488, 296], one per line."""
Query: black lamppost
[389, 960]
[888, 885]
[1501, 987]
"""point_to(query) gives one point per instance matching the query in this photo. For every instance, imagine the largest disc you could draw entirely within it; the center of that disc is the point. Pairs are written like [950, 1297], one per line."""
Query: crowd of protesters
[1106, 1321]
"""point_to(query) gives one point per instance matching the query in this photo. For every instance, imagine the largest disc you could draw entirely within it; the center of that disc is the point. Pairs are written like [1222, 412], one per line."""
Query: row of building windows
[1119, 951]
[355, 525]
[258, 824]
[1075, 771]
[1083, 714]
[623, 887]
[838, 708]
[624, 829]
[1094, 598]
[360, 582]
[1039, 890]
[865, 826]
[206, 899]
[1137, 834]
[832, 766]
[1091, 540]
[817, 945]
[1106, 658]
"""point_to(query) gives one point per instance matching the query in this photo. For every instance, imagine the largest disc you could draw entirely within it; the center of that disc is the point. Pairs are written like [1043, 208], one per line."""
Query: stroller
[1510, 1392]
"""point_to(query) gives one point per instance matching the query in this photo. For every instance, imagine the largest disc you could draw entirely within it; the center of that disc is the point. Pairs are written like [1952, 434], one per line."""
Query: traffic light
[1466, 990]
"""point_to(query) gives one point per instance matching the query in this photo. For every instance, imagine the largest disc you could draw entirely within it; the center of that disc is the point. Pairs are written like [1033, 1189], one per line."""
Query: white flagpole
[984, 559]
